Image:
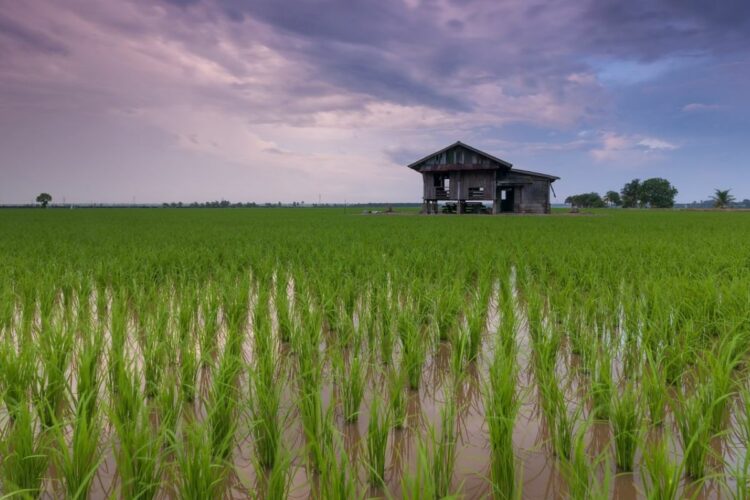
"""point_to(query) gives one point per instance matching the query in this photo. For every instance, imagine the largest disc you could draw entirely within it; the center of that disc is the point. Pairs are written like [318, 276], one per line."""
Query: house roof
[455, 167]
[535, 174]
[459, 143]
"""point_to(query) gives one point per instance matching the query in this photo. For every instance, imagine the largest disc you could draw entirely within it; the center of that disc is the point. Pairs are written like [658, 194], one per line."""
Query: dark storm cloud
[650, 29]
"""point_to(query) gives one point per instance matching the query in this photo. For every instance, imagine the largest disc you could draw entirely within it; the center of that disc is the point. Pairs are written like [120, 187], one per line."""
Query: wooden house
[465, 177]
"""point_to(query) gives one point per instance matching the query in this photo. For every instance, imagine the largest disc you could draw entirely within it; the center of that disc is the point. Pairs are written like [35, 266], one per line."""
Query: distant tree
[44, 199]
[631, 194]
[585, 200]
[722, 198]
[612, 198]
[657, 193]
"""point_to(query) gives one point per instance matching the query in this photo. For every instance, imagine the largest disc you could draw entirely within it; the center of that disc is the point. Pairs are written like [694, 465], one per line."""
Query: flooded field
[315, 354]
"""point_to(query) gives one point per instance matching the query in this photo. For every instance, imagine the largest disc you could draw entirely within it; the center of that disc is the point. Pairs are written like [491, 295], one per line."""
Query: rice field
[309, 353]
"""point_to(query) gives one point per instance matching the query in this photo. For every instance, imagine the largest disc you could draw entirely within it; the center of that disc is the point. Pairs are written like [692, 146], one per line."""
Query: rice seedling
[397, 396]
[284, 311]
[199, 474]
[265, 404]
[626, 426]
[139, 455]
[377, 441]
[654, 388]
[501, 406]
[444, 447]
[338, 480]
[351, 381]
[692, 417]
[78, 460]
[476, 319]
[413, 349]
[24, 454]
[276, 481]
[602, 386]
[586, 478]
[221, 418]
[17, 368]
[661, 472]
[316, 422]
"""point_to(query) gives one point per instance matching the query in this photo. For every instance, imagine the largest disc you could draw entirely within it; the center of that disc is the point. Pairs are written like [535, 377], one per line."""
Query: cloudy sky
[270, 100]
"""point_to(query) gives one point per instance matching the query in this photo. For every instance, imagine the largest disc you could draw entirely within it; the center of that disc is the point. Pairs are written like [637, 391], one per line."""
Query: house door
[506, 199]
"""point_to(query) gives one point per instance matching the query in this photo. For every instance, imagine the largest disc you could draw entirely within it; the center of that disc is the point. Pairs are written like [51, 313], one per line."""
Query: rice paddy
[318, 354]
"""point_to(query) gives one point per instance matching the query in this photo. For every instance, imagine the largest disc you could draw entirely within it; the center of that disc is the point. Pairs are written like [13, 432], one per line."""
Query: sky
[300, 100]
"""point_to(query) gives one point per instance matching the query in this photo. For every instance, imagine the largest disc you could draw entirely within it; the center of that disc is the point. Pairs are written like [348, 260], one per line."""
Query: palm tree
[722, 198]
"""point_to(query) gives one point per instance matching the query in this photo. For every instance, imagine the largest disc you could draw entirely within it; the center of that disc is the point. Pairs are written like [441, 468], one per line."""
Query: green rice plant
[77, 461]
[661, 473]
[476, 319]
[602, 386]
[316, 422]
[693, 418]
[338, 480]
[459, 352]
[138, 455]
[199, 475]
[388, 321]
[17, 374]
[49, 388]
[377, 441]
[188, 369]
[546, 345]
[208, 334]
[265, 402]
[397, 396]
[277, 482]
[168, 407]
[743, 410]
[421, 483]
[719, 369]
[351, 381]
[740, 474]
[283, 308]
[128, 398]
[626, 426]
[24, 452]
[446, 311]
[654, 389]
[413, 349]
[502, 404]
[444, 447]
[222, 415]
[155, 350]
[581, 472]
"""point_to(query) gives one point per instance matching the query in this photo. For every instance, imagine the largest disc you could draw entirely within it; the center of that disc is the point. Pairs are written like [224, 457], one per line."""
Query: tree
[722, 198]
[657, 193]
[654, 193]
[631, 194]
[585, 200]
[613, 198]
[44, 199]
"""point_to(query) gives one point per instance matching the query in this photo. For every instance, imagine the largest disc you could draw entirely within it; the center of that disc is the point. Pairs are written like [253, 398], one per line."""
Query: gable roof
[470, 166]
[459, 143]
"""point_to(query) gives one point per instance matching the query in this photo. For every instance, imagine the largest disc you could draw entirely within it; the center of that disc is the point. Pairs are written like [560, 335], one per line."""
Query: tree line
[650, 193]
